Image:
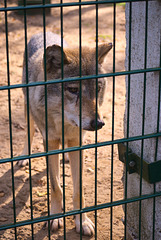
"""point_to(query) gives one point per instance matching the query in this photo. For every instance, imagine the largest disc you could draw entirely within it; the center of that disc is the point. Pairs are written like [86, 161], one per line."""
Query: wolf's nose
[100, 124]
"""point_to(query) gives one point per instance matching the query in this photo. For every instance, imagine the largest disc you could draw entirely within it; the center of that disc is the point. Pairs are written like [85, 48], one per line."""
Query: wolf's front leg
[56, 191]
[87, 224]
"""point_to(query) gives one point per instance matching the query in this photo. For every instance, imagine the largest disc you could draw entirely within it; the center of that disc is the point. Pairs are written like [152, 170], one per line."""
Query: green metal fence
[24, 8]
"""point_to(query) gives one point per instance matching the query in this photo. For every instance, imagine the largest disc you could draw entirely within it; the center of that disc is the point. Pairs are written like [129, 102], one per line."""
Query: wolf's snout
[99, 124]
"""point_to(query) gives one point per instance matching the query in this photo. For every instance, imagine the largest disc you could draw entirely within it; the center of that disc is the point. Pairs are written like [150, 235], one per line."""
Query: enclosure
[25, 192]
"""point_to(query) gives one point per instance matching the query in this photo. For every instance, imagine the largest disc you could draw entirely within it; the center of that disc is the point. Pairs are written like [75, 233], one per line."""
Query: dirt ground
[38, 166]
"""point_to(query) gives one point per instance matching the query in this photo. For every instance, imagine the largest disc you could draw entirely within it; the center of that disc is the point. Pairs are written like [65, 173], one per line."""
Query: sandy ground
[38, 166]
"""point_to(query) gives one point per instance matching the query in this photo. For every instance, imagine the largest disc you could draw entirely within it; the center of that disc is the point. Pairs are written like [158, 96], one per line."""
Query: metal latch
[151, 172]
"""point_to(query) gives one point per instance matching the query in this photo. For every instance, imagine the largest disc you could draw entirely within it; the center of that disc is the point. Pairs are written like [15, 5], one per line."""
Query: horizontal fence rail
[83, 147]
[6, 9]
[123, 73]
[87, 209]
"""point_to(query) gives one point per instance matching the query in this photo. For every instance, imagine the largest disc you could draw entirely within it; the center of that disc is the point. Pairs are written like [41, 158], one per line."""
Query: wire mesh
[81, 147]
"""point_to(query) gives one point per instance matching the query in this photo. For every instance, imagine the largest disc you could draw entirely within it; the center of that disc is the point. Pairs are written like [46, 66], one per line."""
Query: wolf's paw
[55, 224]
[23, 163]
[87, 227]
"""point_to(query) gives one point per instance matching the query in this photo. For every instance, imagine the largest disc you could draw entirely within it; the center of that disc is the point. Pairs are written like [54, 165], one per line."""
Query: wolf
[39, 98]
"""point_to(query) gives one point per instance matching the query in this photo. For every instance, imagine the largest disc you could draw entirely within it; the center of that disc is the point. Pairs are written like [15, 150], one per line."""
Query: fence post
[143, 219]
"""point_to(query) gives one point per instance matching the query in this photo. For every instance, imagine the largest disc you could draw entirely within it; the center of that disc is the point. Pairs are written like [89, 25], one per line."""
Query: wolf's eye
[73, 90]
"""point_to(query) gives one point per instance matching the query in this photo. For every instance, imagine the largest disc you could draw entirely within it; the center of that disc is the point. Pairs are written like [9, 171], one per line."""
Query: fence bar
[113, 117]
[62, 88]
[128, 115]
[69, 4]
[46, 120]
[10, 119]
[80, 112]
[28, 116]
[83, 147]
[143, 115]
[84, 210]
[96, 135]
[31, 84]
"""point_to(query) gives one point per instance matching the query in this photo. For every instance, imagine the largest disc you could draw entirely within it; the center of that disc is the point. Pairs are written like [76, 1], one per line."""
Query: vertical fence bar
[156, 149]
[46, 118]
[128, 115]
[28, 116]
[62, 85]
[10, 117]
[113, 118]
[96, 120]
[143, 119]
[80, 111]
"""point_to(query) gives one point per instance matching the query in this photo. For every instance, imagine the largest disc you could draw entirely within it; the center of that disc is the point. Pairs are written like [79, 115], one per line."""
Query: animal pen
[138, 143]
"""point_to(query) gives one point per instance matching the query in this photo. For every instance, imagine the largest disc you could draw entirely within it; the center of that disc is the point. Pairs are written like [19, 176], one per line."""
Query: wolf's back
[37, 42]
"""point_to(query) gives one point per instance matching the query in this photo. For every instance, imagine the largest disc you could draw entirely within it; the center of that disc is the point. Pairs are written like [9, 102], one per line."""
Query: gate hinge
[151, 172]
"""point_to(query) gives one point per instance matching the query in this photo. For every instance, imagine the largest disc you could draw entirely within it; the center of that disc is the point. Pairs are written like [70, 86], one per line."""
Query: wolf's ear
[54, 57]
[103, 49]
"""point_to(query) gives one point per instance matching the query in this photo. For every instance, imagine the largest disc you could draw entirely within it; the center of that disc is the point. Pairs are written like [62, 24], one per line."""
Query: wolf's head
[90, 91]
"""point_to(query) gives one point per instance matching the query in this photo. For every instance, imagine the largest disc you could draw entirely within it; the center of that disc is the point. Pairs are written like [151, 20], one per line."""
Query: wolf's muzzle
[96, 124]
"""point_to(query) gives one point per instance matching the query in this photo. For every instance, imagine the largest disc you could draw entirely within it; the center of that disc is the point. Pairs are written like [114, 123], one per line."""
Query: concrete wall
[136, 111]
